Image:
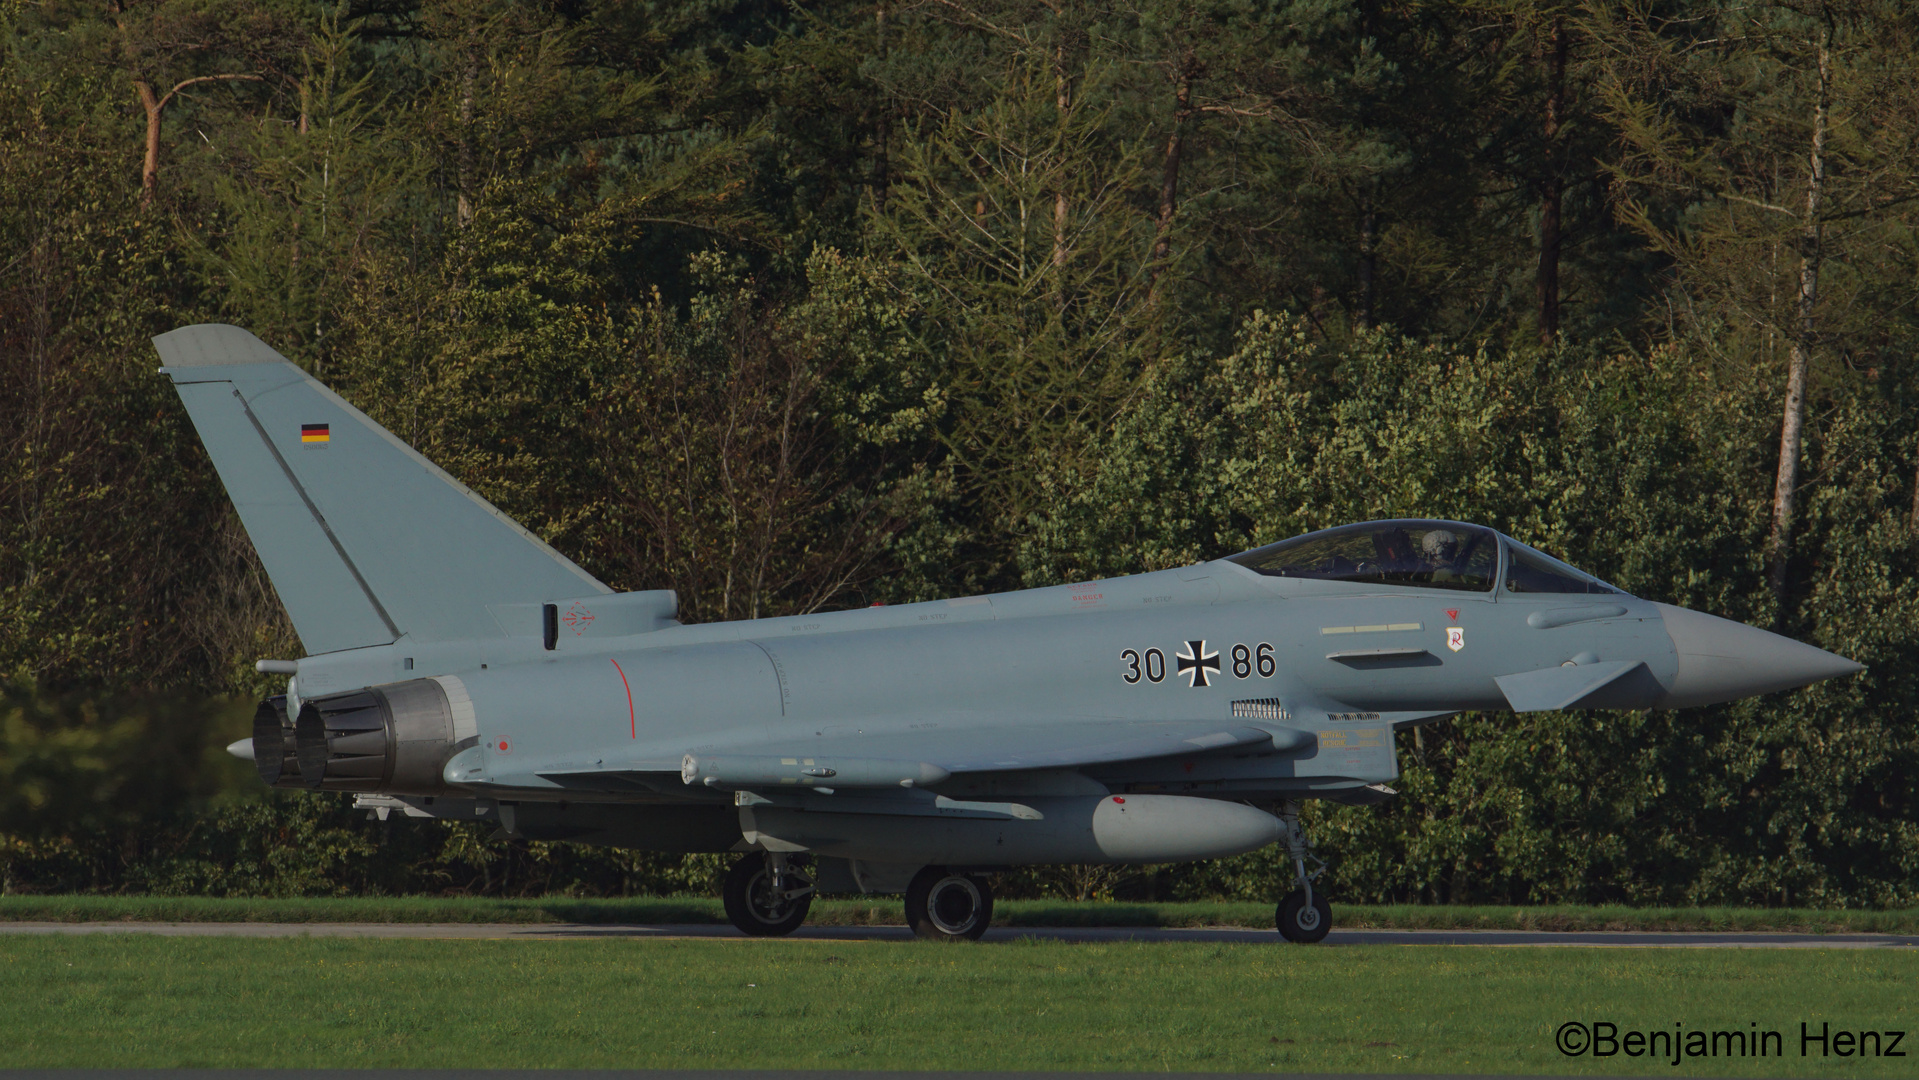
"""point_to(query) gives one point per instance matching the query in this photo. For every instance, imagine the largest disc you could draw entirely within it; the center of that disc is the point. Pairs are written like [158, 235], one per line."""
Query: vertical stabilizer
[365, 540]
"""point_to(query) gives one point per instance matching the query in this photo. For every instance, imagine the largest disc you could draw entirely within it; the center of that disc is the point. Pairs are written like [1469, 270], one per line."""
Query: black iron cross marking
[1195, 662]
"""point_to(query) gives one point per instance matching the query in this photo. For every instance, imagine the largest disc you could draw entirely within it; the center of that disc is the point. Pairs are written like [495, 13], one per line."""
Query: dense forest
[811, 305]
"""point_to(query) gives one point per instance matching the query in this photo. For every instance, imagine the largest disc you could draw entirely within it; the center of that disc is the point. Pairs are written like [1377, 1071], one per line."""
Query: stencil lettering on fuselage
[1199, 664]
[1361, 751]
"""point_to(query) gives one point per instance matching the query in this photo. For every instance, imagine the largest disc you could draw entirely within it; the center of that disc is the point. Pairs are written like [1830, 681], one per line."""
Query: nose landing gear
[767, 895]
[1303, 915]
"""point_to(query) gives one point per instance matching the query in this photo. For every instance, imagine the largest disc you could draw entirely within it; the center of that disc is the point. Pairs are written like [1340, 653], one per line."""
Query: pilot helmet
[1439, 544]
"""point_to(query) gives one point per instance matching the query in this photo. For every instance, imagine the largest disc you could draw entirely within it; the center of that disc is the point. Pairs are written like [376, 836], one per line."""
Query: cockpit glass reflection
[1424, 554]
[1529, 571]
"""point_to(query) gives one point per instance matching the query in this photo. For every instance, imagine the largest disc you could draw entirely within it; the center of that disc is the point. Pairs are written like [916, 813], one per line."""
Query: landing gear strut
[1304, 915]
[947, 905]
[767, 894]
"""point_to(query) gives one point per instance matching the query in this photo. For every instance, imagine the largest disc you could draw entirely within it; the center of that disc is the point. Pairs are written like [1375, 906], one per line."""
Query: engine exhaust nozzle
[394, 738]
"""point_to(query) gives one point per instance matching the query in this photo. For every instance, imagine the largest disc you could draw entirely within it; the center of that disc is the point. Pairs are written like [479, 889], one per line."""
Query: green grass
[136, 1000]
[886, 911]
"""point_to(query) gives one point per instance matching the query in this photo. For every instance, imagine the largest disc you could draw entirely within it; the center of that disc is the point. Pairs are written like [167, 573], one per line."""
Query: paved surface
[576, 931]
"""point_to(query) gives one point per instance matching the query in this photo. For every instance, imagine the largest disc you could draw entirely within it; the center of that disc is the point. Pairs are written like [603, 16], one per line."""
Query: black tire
[751, 905]
[1303, 924]
[942, 905]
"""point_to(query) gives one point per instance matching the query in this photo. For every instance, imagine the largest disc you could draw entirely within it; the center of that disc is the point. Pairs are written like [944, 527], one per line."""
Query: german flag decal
[312, 433]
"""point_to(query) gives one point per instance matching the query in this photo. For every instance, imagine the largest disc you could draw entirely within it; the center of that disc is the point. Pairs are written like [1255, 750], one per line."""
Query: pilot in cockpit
[1441, 549]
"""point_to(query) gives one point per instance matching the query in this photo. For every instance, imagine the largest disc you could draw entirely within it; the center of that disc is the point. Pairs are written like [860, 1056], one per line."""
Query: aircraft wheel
[754, 906]
[946, 906]
[1301, 923]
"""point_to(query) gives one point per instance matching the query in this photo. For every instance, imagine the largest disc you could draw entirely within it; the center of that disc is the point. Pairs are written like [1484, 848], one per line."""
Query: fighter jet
[458, 667]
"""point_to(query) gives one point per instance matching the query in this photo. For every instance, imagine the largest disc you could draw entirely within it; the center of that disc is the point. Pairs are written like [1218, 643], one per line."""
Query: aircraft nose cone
[1721, 660]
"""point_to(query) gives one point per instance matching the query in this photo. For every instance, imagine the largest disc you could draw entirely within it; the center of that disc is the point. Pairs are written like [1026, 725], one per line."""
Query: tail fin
[365, 540]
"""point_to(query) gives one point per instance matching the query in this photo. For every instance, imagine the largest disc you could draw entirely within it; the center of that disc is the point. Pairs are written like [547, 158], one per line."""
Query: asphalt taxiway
[1235, 935]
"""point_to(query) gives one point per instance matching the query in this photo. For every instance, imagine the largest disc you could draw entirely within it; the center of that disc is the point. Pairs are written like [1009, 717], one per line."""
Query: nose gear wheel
[1303, 916]
[1304, 919]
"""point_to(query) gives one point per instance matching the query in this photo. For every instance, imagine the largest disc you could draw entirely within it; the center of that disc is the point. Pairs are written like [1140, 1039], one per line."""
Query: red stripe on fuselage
[631, 719]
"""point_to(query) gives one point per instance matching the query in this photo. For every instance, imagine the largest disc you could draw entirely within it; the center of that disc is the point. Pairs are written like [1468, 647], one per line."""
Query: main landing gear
[946, 905]
[767, 895]
[1304, 915]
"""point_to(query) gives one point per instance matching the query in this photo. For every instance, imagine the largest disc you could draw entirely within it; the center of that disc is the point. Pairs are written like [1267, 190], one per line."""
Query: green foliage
[291, 233]
[792, 309]
[758, 454]
[1717, 118]
[88, 782]
[99, 763]
[119, 564]
[161, 834]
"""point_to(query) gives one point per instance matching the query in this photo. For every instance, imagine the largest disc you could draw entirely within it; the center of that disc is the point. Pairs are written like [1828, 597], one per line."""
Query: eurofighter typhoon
[458, 667]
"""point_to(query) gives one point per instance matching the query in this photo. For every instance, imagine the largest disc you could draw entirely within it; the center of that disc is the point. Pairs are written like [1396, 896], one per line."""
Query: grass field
[135, 1000]
[886, 911]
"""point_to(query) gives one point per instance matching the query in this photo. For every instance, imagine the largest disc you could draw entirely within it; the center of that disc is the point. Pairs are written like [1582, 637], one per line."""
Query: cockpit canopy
[1422, 554]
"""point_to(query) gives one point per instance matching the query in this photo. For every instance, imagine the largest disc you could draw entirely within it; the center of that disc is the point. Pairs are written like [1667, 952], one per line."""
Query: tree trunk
[154, 105]
[882, 124]
[468, 78]
[1547, 285]
[1169, 178]
[1792, 426]
[1368, 254]
[1063, 102]
[1552, 187]
[1915, 501]
[150, 169]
